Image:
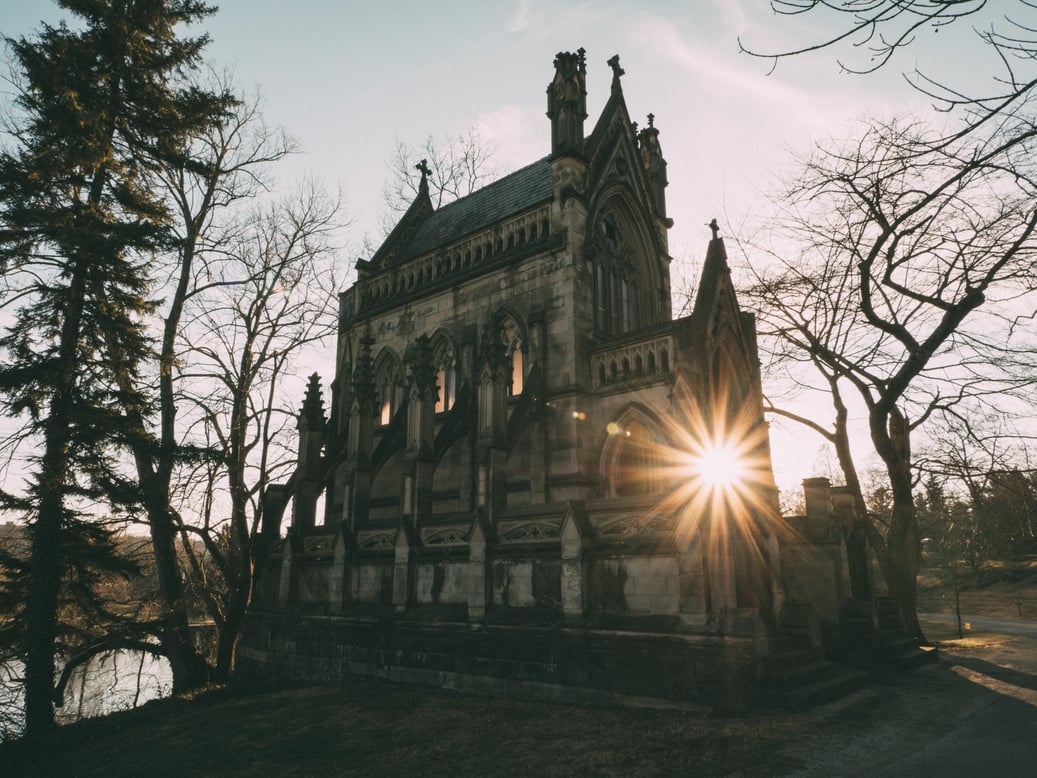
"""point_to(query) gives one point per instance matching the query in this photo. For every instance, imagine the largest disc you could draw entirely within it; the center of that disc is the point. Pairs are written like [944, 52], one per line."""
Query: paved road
[988, 624]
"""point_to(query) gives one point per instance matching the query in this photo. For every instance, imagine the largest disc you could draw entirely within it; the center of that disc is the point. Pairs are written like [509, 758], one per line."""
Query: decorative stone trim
[631, 361]
[438, 537]
[318, 545]
[528, 532]
[522, 230]
[376, 540]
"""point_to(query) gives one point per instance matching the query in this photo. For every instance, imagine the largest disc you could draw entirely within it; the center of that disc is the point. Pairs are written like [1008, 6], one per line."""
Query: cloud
[715, 65]
[518, 136]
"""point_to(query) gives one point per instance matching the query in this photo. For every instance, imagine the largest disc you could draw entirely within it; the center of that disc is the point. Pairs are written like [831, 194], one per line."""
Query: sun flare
[720, 466]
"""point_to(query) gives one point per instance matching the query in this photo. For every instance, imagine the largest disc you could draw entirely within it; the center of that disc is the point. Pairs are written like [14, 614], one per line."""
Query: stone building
[529, 472]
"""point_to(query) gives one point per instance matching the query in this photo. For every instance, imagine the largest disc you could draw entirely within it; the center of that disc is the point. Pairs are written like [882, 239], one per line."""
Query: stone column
[492, 445]
[360, 439]
[401, 573]
[338, 576]
[574, 530]
[723, 591]
[286, 584]
[418, 462]
[478, 573]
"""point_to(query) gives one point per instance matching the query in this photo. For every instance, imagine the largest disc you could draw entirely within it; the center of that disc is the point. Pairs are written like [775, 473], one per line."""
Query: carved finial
[651, 120]
[617, 71]
[581, 59]
[715, 227]
[426, 171]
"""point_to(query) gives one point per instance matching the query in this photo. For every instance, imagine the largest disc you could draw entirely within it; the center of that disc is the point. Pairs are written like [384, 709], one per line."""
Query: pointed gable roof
[423, 229]
[714, 282]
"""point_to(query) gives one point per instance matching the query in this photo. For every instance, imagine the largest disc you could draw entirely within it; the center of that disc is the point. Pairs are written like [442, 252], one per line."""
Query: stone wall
[570, 664]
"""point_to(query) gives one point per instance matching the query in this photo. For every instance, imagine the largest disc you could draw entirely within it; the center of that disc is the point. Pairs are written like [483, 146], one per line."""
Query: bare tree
[870, 33]
[911, 284]
[214, 171]
[459, 165]
[271, 296]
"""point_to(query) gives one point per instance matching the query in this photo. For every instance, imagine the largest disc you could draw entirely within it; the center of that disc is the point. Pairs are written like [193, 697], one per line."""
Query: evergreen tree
[78, 223]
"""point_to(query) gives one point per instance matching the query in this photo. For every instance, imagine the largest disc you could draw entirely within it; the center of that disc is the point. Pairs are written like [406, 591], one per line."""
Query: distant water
[113, 681]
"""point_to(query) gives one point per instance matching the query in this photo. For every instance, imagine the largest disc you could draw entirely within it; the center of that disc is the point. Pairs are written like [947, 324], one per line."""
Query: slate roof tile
[505, 197]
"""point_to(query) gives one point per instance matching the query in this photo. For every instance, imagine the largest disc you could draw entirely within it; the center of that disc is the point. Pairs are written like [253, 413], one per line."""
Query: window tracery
[616, 284]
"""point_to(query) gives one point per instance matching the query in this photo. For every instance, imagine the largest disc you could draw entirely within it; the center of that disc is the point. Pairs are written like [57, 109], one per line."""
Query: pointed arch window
[638, 466]
[616, 283]
[389, 389]
[513, 347]
[446, 378]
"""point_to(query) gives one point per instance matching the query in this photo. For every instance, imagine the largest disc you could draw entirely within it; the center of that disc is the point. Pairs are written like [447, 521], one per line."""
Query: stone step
[814, 683]
[911, 657]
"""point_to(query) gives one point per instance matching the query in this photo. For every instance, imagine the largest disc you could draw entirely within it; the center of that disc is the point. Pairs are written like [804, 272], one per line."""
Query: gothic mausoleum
[528, 474]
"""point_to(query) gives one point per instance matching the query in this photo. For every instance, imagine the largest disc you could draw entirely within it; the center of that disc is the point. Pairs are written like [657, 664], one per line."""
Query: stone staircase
[796, 679]
[797, 676]
[875, 636]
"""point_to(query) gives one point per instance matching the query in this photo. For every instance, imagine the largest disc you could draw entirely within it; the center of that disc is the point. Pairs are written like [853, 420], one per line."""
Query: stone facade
[517, 447]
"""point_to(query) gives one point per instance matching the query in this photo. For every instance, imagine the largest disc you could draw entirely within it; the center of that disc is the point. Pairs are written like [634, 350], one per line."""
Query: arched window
[388, 387]
[635, 457]
[616, 282]
[638, 466]
[513, 347]
[446, 376]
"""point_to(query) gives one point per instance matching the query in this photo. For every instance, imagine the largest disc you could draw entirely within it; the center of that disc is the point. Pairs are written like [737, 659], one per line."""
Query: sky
[347, 78]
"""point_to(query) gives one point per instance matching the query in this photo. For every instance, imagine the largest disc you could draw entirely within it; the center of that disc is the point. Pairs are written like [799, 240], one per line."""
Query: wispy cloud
[711, 63]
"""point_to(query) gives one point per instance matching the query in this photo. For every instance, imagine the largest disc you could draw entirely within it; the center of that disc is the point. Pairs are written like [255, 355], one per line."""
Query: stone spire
[363, 377]
[654, 164]
[311, 432]
[311, 417]
[567, 103]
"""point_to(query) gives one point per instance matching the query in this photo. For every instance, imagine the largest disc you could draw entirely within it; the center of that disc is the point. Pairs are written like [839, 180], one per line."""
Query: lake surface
[113, 681]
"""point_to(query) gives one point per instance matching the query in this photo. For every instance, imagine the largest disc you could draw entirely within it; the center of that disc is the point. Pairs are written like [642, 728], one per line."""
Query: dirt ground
[975, 713]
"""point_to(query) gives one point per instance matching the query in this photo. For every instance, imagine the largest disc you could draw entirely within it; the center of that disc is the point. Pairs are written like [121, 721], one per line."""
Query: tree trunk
[47, 560]
[47, 567]
[230, 630]
[190, 669]
[892, 441]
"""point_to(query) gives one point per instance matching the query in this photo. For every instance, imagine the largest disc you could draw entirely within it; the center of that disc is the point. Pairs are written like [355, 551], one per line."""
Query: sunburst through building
[533, 476]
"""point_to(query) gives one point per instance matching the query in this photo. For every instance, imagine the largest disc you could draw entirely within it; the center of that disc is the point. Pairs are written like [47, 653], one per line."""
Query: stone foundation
[572, 664]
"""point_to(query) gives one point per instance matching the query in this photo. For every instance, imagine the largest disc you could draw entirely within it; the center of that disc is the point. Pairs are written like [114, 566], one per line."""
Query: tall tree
[218, 168]
[79, 225]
